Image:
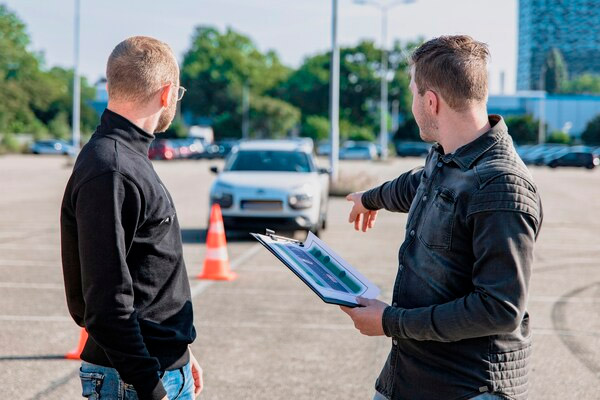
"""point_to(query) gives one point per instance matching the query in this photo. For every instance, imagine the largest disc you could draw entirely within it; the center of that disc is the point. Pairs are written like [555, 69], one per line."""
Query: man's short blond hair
[138, 67]
[455, 67]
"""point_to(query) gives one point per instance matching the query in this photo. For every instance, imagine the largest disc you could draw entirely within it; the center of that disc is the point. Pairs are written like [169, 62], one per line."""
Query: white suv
[272, 184]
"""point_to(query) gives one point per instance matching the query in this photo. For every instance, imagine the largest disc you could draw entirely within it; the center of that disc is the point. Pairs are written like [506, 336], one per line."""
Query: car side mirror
[214, 169]
[325, 171]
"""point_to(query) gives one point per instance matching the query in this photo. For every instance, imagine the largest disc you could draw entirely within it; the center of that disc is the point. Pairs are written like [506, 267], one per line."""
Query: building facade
[571, 26]
[566, 113]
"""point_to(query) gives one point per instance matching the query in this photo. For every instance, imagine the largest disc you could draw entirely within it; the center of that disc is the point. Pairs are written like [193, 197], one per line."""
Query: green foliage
[10, 144]
[59, 126]
[559, 137]
[554, 71]
[34, 98]
[316, 127]
[591, 134]
[523, 128]
[270, 117]
[308, 87]
[408, 131]
[583, 84]
[349, 131]
[215, 70]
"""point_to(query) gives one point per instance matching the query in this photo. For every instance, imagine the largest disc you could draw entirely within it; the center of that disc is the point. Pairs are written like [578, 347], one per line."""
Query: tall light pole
[334, 95]
[76, 83]
[383, 102]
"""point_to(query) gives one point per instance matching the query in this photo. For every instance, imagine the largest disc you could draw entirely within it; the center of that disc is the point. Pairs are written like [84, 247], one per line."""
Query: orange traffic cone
[75, 354]
[216, 260]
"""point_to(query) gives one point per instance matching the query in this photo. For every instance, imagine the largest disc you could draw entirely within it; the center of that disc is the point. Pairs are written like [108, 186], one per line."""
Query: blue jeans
[103, 383]
[485, 396]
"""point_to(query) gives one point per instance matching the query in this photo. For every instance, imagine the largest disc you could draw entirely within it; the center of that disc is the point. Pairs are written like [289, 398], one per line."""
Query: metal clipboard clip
[271, 233]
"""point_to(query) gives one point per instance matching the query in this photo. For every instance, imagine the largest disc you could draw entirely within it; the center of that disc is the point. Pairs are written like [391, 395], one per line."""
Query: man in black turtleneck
[123, 266]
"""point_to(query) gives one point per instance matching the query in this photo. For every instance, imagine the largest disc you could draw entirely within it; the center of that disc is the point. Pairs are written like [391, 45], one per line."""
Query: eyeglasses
[180, 92]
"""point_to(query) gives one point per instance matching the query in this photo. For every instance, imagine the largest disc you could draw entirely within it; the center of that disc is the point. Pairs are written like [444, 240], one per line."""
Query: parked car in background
[352, 150]
[412, 149]
[225, 147]
[162, 149]
[538, 154]
[324, 148]
[272, 184]
[53, 146]
[574, 158]
[187, 147]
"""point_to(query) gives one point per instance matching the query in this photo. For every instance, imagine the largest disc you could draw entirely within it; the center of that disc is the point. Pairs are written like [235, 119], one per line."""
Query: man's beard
[427, 126]
[166, 117]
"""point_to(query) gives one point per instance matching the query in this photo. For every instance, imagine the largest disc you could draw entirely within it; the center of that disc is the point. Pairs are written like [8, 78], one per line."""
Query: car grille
[262, 205]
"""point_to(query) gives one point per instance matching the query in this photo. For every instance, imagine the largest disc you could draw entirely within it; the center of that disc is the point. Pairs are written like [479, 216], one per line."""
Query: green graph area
[308, 271]
[351, 283]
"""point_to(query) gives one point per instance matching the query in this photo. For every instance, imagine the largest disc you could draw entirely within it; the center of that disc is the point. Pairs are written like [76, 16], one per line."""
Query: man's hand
[358, 211]
[196, 374]
[368, 319]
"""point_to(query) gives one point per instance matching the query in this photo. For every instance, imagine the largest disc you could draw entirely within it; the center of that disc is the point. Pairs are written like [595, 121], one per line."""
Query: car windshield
[268, 160]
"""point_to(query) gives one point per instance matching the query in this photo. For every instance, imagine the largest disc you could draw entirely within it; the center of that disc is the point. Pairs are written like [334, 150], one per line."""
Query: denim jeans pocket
[129, 392]
[91, 384]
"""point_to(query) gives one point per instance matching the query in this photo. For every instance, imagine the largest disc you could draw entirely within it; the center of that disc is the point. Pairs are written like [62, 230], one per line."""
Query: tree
[583, 84]
[591, 134]
[215, 70]
[308, 87]
[316, 127]
[33, 98]
[523, 128]
[554, 71]
[559, 137]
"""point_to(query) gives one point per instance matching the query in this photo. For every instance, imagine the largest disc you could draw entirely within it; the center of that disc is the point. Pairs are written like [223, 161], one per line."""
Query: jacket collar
[124, 131]
[466, 155]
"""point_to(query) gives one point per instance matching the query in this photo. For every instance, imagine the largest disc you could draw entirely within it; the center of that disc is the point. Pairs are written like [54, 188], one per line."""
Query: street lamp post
[76, 83]
[334, 96]
[383, 102]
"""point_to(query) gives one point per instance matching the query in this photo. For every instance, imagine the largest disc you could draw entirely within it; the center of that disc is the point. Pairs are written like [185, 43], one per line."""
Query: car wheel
[590, 166]
[553, 165]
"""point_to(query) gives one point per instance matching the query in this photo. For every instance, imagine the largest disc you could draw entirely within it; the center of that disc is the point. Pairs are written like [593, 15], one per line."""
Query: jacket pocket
[91, 384]
[436, 228]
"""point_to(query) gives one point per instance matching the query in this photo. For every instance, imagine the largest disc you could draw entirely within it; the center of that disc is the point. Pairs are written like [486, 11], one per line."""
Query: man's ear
[165, 95]
[432, 102]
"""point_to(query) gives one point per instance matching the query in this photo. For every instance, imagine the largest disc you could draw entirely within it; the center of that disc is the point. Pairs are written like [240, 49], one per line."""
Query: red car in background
[162, 149]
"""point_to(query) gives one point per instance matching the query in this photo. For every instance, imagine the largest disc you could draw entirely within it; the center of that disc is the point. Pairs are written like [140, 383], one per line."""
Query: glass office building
[568, 25]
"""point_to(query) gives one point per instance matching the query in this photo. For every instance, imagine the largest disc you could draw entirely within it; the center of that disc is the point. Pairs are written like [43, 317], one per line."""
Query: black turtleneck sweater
[123, 267]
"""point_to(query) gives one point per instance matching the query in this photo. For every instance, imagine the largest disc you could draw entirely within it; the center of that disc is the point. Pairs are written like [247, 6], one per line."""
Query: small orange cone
[75, 354]
[216, 260]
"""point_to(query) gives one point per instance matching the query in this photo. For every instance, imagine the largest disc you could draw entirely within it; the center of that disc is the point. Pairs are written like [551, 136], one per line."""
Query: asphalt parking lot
[265, 335]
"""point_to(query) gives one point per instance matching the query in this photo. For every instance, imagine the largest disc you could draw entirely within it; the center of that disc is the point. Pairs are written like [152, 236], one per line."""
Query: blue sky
[294, 29]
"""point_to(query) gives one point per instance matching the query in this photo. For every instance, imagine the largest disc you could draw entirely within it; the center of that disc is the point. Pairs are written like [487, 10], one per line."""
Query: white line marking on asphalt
[29, 263]
[25, 285]
[202, 286]
[196, 290]
[558, 299]
[35, 318]
[563, 332]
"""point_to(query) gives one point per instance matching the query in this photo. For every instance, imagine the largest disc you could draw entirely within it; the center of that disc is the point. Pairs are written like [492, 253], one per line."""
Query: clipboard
[328, 275]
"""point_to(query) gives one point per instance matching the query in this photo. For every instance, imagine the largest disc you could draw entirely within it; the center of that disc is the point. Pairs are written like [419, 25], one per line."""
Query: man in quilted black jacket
[458, 321]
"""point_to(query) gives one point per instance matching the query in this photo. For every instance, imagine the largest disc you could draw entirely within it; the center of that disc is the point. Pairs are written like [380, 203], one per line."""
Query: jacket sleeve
[396, 195]
[503, 240]
[107, 210]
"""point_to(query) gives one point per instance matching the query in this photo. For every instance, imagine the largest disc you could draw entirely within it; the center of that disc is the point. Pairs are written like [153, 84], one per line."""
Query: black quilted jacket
[459, 322]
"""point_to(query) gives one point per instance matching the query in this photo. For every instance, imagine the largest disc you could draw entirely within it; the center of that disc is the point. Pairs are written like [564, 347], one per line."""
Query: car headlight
[222, 195]
[301, 197]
